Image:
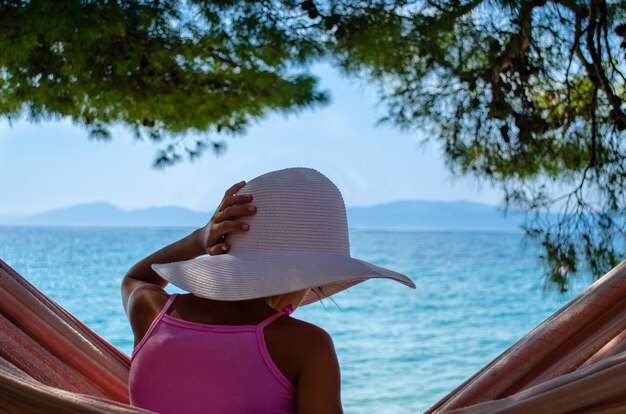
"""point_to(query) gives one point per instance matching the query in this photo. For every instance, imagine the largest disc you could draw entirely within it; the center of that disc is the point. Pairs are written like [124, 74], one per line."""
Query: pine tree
[164, 69]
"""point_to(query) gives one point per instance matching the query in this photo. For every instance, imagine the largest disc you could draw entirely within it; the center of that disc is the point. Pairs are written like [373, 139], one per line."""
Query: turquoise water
[400, 350]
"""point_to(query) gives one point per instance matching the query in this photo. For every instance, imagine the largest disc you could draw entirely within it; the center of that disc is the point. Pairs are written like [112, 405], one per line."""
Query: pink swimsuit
[187, 367]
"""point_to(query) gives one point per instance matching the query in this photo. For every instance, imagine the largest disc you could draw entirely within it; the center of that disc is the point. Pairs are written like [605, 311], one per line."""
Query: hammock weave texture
[575, 361]
[50, 361]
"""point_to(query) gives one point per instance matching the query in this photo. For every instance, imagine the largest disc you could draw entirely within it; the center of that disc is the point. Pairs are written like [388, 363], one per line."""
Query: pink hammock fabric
[574, 361]
[50, 361]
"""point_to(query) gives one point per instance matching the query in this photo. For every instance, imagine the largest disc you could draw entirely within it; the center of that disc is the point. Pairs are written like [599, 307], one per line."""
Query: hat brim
[254, 274]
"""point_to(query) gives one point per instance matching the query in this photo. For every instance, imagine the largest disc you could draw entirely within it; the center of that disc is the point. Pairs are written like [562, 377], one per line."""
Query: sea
[400, 350]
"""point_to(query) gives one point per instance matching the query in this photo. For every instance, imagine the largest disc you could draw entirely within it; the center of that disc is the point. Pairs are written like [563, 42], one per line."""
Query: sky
[53, 164]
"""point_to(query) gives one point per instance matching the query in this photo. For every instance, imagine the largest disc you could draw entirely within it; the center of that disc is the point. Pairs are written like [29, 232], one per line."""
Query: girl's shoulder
[144, 306]
[301, 338]
[303, 330]
[148, 299]
[295, 346]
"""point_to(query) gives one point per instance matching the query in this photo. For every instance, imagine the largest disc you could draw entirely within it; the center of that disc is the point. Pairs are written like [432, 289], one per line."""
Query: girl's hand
[233, 206]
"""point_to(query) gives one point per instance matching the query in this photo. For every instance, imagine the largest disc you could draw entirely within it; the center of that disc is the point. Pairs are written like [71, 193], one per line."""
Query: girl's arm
[142, 277]
[319, 381]
[142, 287]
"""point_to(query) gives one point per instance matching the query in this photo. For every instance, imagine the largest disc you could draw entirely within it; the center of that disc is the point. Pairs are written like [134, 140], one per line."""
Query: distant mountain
[105, 214]
[400, 215]
[432, 215]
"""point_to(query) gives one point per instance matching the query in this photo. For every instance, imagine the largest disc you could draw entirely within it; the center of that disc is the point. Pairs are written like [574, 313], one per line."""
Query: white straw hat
[298, 239]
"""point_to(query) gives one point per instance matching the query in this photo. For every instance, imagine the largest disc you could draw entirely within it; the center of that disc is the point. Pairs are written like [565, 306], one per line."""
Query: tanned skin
[303, 352]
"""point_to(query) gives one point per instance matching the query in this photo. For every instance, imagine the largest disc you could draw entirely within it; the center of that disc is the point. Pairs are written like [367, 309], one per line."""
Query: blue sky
[54, 164]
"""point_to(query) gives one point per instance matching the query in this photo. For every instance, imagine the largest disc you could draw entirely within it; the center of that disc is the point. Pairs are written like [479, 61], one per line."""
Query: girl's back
[209, 356]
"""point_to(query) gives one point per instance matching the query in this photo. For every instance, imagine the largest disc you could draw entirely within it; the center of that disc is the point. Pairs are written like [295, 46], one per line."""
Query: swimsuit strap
[154, 323]
[167, 306]
[286, 311]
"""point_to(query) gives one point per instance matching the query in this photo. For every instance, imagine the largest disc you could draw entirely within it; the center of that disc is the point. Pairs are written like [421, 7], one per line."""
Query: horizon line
[14, 215]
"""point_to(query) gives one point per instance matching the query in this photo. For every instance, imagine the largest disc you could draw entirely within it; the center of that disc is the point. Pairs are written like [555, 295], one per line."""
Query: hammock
[574, 361]
[51, 362]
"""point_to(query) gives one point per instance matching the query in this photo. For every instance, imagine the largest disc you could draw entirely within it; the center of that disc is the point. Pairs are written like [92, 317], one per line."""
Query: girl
[229, 346]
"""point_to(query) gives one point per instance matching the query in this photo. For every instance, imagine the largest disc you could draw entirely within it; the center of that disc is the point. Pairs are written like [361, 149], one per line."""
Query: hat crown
[299, 210]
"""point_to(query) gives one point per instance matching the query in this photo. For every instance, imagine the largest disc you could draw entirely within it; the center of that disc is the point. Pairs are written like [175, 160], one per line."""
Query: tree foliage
[161, 68]
[529, 95]
[526, 94]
